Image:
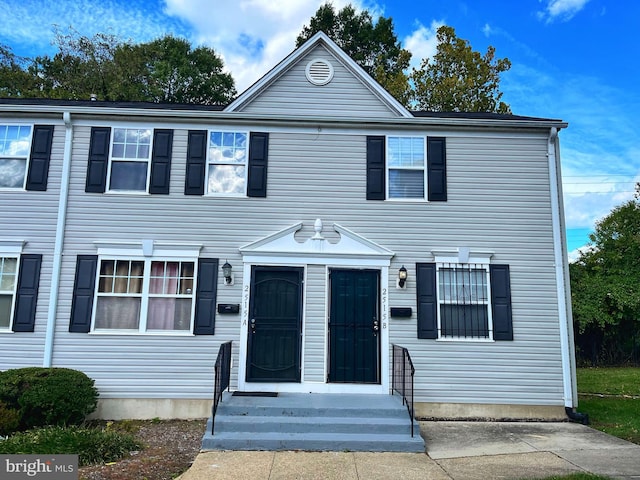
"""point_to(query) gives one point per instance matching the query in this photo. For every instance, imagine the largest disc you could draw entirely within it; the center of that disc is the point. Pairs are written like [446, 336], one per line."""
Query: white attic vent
[319, 71]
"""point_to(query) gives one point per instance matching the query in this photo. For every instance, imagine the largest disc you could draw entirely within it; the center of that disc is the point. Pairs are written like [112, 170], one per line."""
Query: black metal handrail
[402, 378]
[222, 377]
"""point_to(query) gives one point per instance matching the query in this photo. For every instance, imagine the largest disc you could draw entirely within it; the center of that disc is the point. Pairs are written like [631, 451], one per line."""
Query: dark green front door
[275, 321]
[354, 336]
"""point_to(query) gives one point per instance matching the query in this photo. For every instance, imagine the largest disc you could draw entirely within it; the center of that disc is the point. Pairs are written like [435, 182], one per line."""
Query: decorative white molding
[12, 246]
[317, 249]
[462, 255]
[148, 248]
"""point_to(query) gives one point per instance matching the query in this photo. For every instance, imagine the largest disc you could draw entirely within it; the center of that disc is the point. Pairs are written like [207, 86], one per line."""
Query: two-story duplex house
[346, 224]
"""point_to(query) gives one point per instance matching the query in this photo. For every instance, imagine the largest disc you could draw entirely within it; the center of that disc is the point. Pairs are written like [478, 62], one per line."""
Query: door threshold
[238, 393]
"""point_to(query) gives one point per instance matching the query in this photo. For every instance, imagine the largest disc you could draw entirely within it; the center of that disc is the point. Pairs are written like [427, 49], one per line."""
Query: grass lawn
[611, 397]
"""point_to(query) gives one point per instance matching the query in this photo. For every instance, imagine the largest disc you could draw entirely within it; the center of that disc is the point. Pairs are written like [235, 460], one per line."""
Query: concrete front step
[315, 422]
[333, 442]
[318, 424]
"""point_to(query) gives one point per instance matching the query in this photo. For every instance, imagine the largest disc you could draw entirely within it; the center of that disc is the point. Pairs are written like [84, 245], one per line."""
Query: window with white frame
[15, 144]
[8, 281]
[130, 160]
[227, 163]
[144, 295]
[406, 167]
[463, 301]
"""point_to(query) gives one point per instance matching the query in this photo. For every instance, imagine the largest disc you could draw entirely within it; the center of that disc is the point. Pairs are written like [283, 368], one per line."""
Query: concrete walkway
[455, 451]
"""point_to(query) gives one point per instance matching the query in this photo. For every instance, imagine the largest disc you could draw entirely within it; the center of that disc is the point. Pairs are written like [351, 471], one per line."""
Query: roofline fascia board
[335, 50]
[239, 118]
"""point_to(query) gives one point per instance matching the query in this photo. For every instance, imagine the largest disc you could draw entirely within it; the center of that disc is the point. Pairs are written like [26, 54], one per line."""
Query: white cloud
[563, 10]
[252, 36]
[422, 43]
[575, 254]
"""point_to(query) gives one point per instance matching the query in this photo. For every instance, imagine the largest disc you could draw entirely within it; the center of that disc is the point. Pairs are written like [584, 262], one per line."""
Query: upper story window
[8, 281]
[406, 168]
[227, 163]
[130, 159]
[15, 144]
[144, 295]
[463, 300]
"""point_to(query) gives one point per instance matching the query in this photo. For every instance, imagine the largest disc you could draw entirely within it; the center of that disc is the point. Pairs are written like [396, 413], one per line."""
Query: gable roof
[286, 64]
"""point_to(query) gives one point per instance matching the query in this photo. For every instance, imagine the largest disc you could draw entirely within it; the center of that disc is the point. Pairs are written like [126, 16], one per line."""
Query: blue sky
[577, 60]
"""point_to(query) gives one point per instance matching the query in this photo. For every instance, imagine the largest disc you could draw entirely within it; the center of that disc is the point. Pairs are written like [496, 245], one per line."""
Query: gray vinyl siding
[31, 216]
[498, 189]
[315, 324]
[293, 94]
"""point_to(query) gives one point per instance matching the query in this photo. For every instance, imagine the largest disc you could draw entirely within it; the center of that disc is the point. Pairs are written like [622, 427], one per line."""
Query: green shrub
[93, 445]
[9, 419]
[48, 396]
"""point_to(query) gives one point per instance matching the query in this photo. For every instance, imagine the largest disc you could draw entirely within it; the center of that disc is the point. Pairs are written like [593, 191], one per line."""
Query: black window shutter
[501, 302]
[83, 293]
[437, 168]
[427, 300]
[376, 168]
[257, 173]
[40, 157]
[196, 162]
[24, 318]
[98, 160]
[161, 161]
[205, 316]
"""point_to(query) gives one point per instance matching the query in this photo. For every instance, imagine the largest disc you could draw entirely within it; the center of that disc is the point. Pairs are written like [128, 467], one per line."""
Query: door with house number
[354, 326]
[275, 324]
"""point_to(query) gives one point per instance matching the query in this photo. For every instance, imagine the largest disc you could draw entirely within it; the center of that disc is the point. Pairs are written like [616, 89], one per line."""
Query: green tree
[459, 79]
[373, 45]
[15, 79]
[163, 70]
[605, 286]
[168, 70]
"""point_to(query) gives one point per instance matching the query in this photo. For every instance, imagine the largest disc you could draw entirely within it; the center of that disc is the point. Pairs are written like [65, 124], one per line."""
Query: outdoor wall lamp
[402, 277]
[226, 272]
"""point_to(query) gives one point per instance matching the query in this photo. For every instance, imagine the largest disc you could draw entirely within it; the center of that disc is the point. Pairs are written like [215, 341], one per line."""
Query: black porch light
[226, 272]
[402, 276]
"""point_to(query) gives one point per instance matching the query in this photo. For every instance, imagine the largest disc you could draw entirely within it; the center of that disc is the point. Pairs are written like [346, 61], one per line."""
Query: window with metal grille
[463, 301]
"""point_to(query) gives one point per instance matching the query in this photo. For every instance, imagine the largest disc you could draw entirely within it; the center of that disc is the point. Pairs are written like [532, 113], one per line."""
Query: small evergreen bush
[48, 396]
[93, 445]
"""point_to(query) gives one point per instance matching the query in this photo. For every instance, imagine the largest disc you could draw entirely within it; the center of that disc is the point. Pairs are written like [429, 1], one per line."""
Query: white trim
[317, 249]
[11, 247]
[561, 273]
[236, 118]
[462, 255]
[148, 248]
